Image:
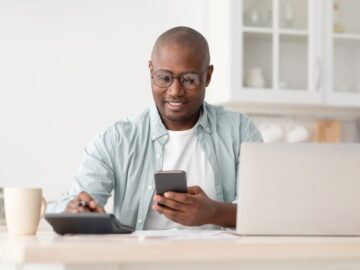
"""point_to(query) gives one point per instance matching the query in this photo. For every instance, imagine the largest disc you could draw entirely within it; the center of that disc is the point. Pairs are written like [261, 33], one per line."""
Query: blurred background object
[327, 131]
[2, 207]
[337, 24]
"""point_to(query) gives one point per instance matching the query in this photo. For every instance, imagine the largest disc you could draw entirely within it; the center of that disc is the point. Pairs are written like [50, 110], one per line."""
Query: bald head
[185, 37]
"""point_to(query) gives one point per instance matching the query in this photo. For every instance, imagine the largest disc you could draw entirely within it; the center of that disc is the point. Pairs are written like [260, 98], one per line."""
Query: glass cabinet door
[258, 44]
[277, 38]
[293, 45]
[258, 13]
[290, 51]
[346, 46]
[343, 53]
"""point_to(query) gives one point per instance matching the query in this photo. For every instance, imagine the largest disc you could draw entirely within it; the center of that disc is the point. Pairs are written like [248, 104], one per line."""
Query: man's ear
[150, 66]
[209, 75]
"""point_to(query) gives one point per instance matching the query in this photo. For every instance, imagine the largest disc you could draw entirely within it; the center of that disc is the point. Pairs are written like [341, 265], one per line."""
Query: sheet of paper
[175, 234]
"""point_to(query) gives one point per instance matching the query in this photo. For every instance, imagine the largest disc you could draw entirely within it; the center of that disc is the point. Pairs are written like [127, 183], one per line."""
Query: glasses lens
[190, 80]
[162, 78]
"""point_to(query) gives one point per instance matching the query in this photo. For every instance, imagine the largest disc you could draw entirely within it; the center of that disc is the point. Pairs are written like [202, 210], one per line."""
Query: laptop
[299, 189]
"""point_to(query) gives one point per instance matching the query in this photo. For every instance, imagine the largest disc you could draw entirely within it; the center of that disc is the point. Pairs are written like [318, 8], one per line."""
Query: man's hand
[195, 208]
[83, 203]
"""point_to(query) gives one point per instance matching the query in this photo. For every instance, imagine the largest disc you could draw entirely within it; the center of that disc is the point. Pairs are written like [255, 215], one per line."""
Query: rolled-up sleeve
[96, 174]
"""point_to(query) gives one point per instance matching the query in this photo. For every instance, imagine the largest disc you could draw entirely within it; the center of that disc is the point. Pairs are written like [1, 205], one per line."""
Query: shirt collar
[158, 129]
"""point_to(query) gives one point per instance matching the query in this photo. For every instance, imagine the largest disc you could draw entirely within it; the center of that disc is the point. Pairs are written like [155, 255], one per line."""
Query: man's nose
[176, 89]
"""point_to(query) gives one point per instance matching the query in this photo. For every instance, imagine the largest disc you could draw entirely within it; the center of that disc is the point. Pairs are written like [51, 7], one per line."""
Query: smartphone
[173, 180]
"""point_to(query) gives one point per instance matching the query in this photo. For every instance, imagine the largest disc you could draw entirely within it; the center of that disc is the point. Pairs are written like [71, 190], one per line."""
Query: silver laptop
[299, 189]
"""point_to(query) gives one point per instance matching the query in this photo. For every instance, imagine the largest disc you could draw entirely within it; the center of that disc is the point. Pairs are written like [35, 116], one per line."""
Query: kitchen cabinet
[342, 61]
[286, 51]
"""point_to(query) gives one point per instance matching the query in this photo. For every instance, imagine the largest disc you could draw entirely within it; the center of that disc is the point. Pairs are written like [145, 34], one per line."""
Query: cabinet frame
[320, 88]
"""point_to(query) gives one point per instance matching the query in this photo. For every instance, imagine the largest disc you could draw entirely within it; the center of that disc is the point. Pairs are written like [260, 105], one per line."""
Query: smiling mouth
[175, 105]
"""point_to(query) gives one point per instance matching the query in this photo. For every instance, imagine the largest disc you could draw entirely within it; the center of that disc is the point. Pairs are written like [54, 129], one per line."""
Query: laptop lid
[299, 189]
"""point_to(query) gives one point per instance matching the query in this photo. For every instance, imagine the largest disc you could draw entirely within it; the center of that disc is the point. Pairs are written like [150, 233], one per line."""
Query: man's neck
[181, 125]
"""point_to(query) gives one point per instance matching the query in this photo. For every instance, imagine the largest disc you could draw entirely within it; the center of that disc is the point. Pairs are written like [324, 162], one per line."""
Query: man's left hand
[194, 208]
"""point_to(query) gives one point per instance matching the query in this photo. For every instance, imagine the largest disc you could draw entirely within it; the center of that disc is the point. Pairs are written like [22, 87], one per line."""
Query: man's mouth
[175, 105]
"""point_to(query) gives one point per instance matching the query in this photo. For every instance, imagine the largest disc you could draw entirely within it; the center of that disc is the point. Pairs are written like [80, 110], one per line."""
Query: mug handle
[43, 207]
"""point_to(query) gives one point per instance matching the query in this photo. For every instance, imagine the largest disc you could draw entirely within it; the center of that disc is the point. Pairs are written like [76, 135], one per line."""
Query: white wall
[69, 68]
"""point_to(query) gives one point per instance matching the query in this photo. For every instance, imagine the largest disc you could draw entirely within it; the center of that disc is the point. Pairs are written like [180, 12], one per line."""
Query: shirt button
[140, 220]
[149, 187]
[153, 137]
[158, 156]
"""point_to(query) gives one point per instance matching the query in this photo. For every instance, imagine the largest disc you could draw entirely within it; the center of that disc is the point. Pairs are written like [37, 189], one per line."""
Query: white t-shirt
[184, 152]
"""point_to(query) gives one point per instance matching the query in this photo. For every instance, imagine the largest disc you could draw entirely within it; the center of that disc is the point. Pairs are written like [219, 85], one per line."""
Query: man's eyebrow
[190, 71]
[162, 69]
[185, 72]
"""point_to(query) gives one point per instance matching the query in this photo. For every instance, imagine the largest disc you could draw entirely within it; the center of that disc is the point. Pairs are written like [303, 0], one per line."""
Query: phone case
[174, 180]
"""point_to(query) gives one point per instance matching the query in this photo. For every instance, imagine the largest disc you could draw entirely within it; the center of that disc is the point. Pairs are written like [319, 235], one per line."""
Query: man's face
[179, 104]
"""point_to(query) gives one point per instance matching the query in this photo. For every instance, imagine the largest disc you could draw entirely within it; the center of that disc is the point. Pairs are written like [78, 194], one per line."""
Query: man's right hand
[83, 203]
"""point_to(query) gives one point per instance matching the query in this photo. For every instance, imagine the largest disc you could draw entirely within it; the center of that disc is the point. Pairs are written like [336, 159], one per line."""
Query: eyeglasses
[188, 80]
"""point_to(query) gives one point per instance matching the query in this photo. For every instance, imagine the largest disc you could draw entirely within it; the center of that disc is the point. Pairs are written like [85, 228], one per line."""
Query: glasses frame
[179, 78]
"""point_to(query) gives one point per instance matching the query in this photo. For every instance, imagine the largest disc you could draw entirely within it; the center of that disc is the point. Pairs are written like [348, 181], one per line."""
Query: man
[180, 131]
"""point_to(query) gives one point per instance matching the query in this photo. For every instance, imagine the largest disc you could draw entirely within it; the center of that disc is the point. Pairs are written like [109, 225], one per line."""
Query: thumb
[194, 190]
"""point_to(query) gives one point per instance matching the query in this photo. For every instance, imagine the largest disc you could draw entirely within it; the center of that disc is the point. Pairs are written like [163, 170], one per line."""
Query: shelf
[292, 90]
[257, 89]
[346, 36]
[342, 113]
[263, 30]
[269, 95]
[260, 30]
[293, 32]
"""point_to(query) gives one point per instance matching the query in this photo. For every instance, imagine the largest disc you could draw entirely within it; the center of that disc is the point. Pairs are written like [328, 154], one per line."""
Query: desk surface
[47, 247]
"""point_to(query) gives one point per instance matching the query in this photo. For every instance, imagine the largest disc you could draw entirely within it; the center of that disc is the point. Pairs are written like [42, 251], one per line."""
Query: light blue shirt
[125, 156]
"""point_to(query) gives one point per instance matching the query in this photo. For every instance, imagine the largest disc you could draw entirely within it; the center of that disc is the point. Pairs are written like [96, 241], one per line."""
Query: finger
[74, 210]
[168, 202]
[182, 198]
[73, 203]
[175, 216]
[75, 206]
[171, 214]
[71, 206]
[92, 204]
[84, 196]
[99, 209]
[162, 209]
[85, 200]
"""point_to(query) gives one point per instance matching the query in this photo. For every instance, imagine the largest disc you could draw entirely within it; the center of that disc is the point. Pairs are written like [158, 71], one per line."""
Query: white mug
[24, 207]
[297, 134]
[272, 133]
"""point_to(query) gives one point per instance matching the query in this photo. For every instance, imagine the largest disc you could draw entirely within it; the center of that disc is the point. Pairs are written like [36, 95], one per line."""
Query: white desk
[188, 252]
